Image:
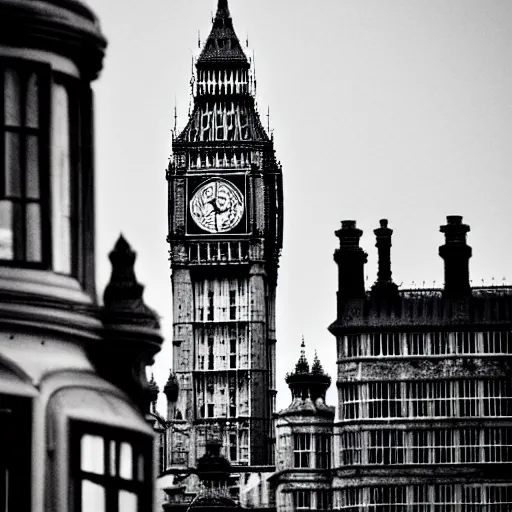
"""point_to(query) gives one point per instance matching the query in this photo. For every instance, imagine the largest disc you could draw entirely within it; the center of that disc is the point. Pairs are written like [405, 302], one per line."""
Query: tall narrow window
[323, 450]
[210, 306]
[110, 470]
[232, 304]
[302, 500]
[61, 180]
[210, 353]
[302, 450]
[233, 447]
[24, 131]
[232, 353]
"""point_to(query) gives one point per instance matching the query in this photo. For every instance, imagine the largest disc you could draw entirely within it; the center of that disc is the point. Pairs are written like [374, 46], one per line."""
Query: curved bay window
[45, 142]
[111, 469]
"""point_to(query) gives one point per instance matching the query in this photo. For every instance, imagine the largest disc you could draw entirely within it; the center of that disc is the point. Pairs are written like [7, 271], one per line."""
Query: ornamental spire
[222, 45]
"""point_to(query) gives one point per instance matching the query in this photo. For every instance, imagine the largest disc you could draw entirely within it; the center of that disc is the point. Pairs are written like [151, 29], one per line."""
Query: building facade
[424, 386]
[73, 436]
[225, 234]
[303, 479]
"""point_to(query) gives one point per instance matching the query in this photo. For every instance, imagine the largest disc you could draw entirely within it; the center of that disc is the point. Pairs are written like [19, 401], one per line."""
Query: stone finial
[302, 365]
[123, 293]
[171, 388]
[317, 368]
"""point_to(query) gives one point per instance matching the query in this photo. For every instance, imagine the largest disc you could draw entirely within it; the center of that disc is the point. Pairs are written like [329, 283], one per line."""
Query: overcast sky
[398, 109]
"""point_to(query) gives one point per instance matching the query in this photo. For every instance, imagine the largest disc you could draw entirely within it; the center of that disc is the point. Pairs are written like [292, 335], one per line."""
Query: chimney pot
[348, 224]
[456, 254]
[383, 223]
[454, 220]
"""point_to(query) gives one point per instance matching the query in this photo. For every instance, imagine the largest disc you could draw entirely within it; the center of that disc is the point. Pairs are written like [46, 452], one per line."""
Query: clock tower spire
[225, 236]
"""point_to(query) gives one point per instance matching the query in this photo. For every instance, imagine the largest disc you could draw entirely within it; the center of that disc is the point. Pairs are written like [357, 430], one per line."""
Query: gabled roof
[222, 44]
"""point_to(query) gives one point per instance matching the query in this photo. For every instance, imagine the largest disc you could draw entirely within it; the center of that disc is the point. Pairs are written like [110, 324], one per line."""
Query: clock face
[217, 206]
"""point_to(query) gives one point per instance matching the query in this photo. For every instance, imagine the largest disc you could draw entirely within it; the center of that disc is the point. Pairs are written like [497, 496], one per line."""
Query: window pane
[92, 454]
[61, 193]
[127, 501]
[93, 497]
[140, 468]
[126, 461]
[18, 221]
[6, 242]
[32, 103]
[32, 154]
[12, 165]
[113, 461]
[34, 232]
[12, 98]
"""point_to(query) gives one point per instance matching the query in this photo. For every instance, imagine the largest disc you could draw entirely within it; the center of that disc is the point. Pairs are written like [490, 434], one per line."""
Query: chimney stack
[455, 253]
[350, 259]
[384, 285]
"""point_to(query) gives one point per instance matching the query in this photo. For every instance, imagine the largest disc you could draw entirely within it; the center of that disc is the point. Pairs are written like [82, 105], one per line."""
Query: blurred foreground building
[73, 398]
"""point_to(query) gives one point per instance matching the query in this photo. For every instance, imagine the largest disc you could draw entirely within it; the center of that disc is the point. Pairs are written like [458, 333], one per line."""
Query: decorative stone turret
[130, 324]
[308, 388]
[304, 437]
[456, 254]
[351, 260]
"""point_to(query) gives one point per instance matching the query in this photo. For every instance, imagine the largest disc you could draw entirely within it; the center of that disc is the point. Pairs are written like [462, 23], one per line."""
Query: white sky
[398, 109]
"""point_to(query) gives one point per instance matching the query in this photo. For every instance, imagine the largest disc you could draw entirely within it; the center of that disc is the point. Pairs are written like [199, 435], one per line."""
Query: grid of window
[427, 498]
[221, 300]
[312, 499]
[220, 121]
[221, 395]
[222, 347]
[110, 470]
[427, 399]
[436, 446]
[312, 450]
[324, 500]
[425, 344]
[228, 158]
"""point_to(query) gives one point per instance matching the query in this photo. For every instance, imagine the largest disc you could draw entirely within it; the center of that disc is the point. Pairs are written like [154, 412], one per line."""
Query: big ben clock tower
[225, 233]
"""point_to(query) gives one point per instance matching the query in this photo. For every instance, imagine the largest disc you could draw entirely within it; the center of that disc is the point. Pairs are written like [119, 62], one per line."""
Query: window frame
[141, 445]
[303, 450]
[44, 74]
